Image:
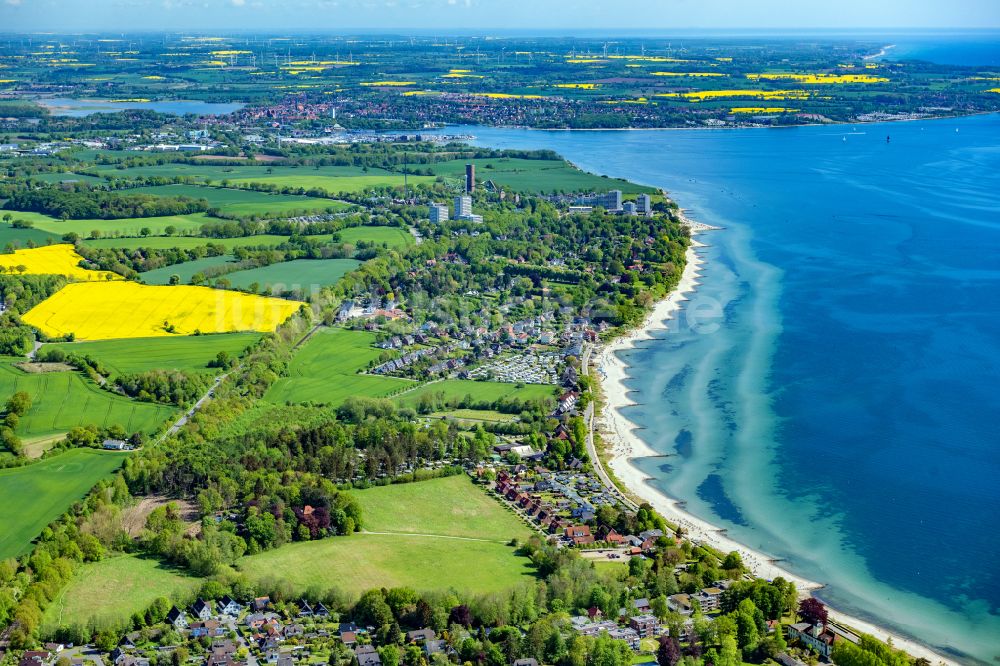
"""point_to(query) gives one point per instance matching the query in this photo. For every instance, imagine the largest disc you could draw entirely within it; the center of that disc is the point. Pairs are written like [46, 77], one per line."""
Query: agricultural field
[298, 274]
[393, 237]
[480, 391]
[217, 173]
[317, 179]
[61, 259]
[192, 352]
[21, 237]
[62, 400]
[127, 227]
[66, 177]
[332, 179]
[452, 506]
[325, 370]
[108, 310]
[187, 242]
[34, 495]
[240, 203]
[364, 561]
[111, 590]
[184, 270]
[537, 176]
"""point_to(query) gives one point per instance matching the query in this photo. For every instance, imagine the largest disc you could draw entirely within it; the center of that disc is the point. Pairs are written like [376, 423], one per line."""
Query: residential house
[261, 603]
[210, 628]
[229, 606]
[709, 598]
[367, 655]
[641, 605]
[202, 609]
[579, 535]
[680, 603]
[177, 619]
[645, 625]
[36, 658]
[420, 635]
[816, 637]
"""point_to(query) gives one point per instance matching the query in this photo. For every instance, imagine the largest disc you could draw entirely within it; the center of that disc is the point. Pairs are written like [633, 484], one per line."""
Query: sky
[487, 15]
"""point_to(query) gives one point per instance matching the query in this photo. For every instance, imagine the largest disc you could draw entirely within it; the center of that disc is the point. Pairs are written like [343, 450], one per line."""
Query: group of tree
[81, 203]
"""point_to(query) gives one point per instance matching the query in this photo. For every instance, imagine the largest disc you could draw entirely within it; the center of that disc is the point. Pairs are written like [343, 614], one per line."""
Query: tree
[669, 651]
[813, 611]
[461, 615]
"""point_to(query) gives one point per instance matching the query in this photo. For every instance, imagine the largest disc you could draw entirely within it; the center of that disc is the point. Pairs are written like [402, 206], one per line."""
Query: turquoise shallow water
[829, 393]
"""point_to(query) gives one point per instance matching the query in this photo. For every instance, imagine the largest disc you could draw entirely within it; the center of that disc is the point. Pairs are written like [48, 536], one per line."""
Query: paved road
[179, 423]
[210, 393]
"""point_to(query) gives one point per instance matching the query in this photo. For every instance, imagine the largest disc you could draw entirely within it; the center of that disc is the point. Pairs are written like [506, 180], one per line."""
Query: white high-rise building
[438, 213]
[463, 207]
[644, 204]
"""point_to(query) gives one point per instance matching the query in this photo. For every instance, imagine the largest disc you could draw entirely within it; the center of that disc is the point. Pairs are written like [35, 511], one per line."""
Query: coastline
[626, 446]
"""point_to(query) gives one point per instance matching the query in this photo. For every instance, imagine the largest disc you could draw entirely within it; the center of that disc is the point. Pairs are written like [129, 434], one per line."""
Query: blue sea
[78, 108]
[829, 394]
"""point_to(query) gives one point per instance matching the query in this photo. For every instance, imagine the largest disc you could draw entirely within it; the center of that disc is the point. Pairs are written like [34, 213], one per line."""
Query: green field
[324, 370]
[296, 274]
[20, 237]
[309, 179]
[364, 561]
[34, 495]
[187, 242]
[184, 270]
[62, 400]
[480, 391]
[192, 352]
[435, 530]
[452, 506]
[131, 226]
[244, 202]
[218, 173]
[66, 177]
[333, 179]
[537, 176]
[110, 591]
[393, 237]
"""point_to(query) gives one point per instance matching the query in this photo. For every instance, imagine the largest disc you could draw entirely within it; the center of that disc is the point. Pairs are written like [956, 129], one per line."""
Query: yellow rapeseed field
[702, 95]
[818, 78]
[59, 259]
[108, 310]
[761, 109]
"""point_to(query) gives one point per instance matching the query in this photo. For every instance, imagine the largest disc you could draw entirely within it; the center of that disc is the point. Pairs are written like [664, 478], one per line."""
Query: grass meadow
[191, 352]
[62, 400]
[34, 495]
[245, 202]
[130, 226]
[187, 242]
[292, 275]
[451, 506]
[325, 370]
[184, 270]
[110, 591]
[393, 237]
[423, 535]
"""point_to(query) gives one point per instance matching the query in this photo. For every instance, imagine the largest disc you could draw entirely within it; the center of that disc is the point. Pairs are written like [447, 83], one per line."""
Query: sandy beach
[619, 434]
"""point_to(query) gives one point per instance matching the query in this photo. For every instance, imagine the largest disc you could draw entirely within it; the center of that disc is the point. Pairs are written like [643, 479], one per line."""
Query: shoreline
[626, 446]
